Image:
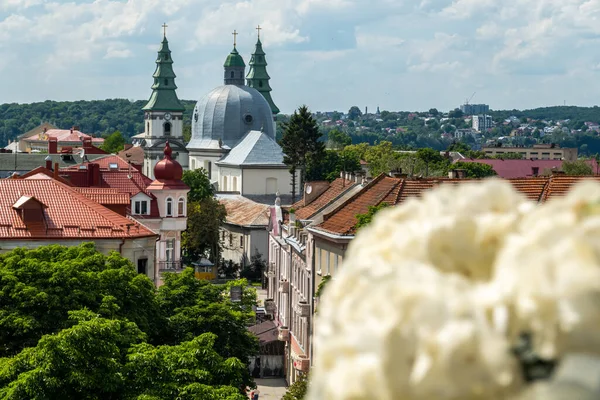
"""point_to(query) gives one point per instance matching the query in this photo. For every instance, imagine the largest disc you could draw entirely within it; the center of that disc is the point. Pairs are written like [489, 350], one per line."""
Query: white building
[482, 122]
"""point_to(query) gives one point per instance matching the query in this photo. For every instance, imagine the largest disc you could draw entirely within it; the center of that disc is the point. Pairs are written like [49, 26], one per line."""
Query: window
[166, 82]
[169, 207]
[142, 265]
[170, 250]
[230, 239]
[241, 74]
[167, 127]
[259, 83]
[193, 163]
[232, 76]
[242, 241]
[147, 126]
[204, 269]
[209, 170]
[140, 207]
[224, 183]
[181, 207]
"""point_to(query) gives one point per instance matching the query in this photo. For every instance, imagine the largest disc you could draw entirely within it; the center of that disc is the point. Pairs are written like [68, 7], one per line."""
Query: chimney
[87, 142]
[535, 171]
[52, 145]
[342, 175]
[49, 163]
[358, 177]
[93, 171]
[75, 128]
[55, 170]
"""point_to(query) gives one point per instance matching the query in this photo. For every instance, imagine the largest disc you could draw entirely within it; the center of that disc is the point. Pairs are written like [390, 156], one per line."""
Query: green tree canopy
[338, 139]
[113, 143]
[201, 238]
[200, 186]
[577, 167]
[76, 324]
[381, 158]
[354, 113]
[475, 169]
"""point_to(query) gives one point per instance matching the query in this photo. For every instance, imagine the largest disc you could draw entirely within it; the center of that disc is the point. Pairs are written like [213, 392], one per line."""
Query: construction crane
[470, 98]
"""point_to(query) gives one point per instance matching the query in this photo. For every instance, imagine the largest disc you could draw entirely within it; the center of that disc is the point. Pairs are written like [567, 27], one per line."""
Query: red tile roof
[68, 214]
[105, 196]
[335, 190]
[558, 186]
[63, 135]
[134, 154]
[40, 172]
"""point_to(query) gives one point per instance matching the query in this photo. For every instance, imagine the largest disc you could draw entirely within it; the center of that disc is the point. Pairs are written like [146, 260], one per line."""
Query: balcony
[170, 266]
[284, 334]
[284, 286]
[301, 363]
[303, 309]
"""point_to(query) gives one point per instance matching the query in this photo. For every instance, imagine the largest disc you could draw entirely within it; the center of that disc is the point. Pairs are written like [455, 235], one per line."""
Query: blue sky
[328, 54]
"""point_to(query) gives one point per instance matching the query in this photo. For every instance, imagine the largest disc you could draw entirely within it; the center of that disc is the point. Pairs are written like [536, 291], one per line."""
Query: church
[233, 139]
[233, 127]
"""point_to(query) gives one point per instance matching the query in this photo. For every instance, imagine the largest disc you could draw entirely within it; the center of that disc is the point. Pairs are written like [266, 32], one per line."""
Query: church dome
[226, 114]
[168, 169]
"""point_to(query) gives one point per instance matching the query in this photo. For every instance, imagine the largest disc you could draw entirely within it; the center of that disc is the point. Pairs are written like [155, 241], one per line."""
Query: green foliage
[113, 143]
[577, 167]
[201, 238]
[366, 218]
[354, 113]
[254, 270]
[322, 285]
[200, 186]
[301, 141]
[92, 328]
[329, 165]
[187, 133]
[475, 169]
[381, 158]
[298, 390]
[338, 139]
[429, 156]
[39, 287]
[509, 156]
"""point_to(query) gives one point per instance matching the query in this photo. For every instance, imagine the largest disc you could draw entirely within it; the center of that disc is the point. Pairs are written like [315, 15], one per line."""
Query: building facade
[474, 109]
[482, 122]
[537, 152]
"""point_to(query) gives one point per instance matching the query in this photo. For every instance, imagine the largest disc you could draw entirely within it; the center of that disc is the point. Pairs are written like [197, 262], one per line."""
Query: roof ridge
[352, 198]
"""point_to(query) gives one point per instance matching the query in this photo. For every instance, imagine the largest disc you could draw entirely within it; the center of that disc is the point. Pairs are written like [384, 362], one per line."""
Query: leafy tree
[110, 336]
[200, 186]
[475, 169]
[429, 156]
[41, 286]
[456, 113]
[330, 164]
[301, 140]
[298, 390]
[187, 133]
[360, 150]
[577, 167]
[460, 147]
[509, 156]
[254, 270]
[113, 143]
[354, 113]
[381, 158]
[433, 111]
[366, 218]
[338, 139]
[201, 238]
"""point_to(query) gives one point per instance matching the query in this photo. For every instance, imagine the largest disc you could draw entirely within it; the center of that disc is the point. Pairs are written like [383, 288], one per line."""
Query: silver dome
[227, 113]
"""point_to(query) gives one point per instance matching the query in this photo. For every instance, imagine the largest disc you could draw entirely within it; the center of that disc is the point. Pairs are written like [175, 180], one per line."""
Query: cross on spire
[234, 37]
[258, 28]
[165, 26]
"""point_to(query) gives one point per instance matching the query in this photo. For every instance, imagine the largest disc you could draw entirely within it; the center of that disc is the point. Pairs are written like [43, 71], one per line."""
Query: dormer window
[113, 166]
[169, 207]
[181, 207]
[140, 207]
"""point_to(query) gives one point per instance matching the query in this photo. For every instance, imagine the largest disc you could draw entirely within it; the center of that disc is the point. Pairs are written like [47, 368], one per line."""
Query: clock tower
[163, 114]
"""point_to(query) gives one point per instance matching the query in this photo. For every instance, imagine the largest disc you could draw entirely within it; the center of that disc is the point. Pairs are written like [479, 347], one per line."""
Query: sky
[327, 54]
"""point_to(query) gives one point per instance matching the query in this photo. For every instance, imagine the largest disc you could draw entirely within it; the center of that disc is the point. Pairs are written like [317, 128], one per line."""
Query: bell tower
[235, 67]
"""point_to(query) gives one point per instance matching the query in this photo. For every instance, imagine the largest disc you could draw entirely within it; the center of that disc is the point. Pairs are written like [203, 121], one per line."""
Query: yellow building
[205, 270]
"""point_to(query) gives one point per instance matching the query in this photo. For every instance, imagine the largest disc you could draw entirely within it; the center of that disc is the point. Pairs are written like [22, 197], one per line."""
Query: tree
[366, 218]
[201, 238]
[301, 140]
[509, 156]
[254, 270]
[456, 113]
[381, 158]
[354, 113]
[475, 169]
[433, 111]
[187, 133]
[577, 167]
[429, 156]
[338, 139]
[104, 332]
[298, 390]
[113, 143]
[199, 183]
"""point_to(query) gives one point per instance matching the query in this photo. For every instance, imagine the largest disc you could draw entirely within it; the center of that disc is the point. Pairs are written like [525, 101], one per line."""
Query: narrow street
[271, 388]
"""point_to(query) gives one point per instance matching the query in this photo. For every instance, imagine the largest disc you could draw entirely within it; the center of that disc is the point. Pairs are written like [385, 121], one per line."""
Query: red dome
[168, 169]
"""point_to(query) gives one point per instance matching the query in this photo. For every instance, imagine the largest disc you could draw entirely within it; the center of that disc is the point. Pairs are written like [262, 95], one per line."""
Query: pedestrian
[255, 394]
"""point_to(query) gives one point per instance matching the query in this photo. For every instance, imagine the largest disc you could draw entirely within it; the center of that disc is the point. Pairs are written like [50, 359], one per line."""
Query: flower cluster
[434, 294]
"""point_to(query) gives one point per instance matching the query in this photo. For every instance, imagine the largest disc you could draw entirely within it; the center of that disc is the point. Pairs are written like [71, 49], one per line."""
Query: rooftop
[244, 212]
[334, 190]
[61, 213]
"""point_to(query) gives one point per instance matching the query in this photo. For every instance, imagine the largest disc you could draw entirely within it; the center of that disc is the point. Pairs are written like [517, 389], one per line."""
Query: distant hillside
[585, 114]
[94, 117]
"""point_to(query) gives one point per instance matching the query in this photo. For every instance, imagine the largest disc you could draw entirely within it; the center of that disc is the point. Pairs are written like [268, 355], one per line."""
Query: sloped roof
[43, 173]
[518, 168]
[558, 186]
[63, 135]
[134, 154]
[256, 148]
[244, 212]
[266, 332]
[336, 189]
[105, 196]
[25, 162]
[68, 215]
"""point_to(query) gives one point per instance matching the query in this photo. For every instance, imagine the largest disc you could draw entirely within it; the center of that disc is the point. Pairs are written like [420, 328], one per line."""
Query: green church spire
[235, 67]
[164, 95]
[257, 77]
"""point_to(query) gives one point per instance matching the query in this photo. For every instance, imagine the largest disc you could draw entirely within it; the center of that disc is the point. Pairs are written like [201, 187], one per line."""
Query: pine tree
[301, 140]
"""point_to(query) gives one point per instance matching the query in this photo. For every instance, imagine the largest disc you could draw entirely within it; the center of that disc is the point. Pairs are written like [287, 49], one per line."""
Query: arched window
[169, 207]
[241, 74]
[232, 75]
[259, 83]
[167, 127]
[224, 183]
[147, 126]
[181, 207]
[166, 82]
[235, 184]
[193, 163]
